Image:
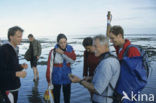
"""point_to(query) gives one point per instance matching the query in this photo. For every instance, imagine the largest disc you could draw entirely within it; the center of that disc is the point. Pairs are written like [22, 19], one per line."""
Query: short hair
[103, 39]
[116, 30]
[88, 41]
[30, 36]
[12, 31]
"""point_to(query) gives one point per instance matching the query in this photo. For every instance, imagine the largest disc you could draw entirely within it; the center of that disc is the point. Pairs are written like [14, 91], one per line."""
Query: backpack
[133, 76]
[144, 54]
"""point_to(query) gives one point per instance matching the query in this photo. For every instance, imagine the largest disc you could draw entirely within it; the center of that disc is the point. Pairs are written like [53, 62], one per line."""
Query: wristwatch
[81, 81]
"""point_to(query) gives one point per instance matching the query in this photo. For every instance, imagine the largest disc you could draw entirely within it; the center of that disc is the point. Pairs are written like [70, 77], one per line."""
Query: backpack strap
[112, 97]
[108, 55]
[116, 96]
[54, 53]
[127, 49]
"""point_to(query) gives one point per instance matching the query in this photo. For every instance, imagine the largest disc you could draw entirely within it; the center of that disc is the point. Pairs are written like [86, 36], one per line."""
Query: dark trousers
[66, 93]
[15, 95]
[94, 102]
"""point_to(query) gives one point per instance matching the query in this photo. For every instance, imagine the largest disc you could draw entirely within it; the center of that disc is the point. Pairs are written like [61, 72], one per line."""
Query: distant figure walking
[33, 54]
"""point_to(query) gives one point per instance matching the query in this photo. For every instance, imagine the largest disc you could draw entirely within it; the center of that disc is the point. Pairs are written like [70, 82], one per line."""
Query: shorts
[33, 62]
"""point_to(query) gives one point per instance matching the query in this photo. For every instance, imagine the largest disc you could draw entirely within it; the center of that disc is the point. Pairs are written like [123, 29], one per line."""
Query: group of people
[100, 73]
[101, 70]
[103, 67]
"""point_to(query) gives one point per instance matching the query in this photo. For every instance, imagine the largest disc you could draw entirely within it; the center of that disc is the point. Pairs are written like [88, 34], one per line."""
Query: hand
[24, 66]
[84, 77]
[87, 78]
[58, 50]
[74, 78]
[50, 86]
[38, 57]
[21, 74]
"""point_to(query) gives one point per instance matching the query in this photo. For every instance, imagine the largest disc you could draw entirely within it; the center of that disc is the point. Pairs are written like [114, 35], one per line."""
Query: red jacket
[90, 63]
[131, 52]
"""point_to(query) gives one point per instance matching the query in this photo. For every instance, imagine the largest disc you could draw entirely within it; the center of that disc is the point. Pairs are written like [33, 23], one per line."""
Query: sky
[45, 18]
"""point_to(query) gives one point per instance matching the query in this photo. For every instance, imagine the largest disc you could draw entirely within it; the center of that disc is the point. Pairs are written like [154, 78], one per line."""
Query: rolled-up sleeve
[67, 58]
[102, 76]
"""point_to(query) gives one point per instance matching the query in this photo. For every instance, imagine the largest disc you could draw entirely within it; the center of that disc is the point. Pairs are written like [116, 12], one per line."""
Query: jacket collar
[127, 43]
[57, 46]
[16, 49]
[33, 41]
[104, 55]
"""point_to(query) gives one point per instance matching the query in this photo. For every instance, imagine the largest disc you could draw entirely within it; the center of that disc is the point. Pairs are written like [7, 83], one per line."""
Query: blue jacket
[61, 66]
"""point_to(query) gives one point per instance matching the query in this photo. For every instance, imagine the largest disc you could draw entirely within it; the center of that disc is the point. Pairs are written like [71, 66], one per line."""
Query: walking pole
[109, 18]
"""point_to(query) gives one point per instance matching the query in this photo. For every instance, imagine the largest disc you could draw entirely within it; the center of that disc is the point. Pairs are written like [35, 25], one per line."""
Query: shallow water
[31, 92]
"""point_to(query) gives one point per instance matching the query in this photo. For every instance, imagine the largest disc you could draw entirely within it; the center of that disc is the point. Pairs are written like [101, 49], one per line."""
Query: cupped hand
[74, 78]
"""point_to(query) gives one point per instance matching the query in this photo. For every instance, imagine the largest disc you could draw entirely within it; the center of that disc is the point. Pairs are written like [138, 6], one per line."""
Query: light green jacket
[36, 50]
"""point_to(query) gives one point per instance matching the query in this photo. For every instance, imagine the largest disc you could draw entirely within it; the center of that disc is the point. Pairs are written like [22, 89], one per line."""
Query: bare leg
[34, 69]
[36, 74]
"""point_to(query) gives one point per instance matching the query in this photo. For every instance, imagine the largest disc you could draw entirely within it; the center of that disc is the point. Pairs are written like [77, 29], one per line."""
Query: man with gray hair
[106, 73]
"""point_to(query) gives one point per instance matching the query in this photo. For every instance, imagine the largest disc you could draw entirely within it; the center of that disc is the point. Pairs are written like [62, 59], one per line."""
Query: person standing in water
[33, 54]
[64, 56]
[90, 60]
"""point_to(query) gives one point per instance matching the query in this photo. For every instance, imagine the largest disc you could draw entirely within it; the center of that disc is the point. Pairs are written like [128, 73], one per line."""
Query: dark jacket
[36, 46]
[9, 65]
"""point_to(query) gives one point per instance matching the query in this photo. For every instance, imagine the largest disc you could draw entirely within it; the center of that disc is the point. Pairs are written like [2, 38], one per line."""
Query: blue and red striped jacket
[61, 66]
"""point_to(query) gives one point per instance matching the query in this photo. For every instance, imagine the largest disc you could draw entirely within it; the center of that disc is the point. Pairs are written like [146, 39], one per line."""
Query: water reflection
[36, 96]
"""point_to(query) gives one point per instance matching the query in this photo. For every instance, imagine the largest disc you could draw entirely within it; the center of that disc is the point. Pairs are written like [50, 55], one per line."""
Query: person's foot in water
[34, 80]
